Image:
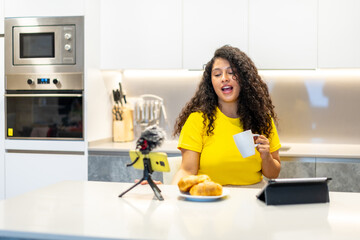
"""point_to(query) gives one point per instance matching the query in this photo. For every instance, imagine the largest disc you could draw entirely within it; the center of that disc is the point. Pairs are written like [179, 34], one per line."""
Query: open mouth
[226, 89]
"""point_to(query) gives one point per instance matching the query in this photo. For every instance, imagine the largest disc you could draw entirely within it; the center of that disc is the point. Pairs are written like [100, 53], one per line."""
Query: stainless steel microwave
[34, 45]
[45, 44]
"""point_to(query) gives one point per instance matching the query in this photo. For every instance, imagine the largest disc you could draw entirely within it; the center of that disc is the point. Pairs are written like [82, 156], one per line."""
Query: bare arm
[189, 165]
[270, 165]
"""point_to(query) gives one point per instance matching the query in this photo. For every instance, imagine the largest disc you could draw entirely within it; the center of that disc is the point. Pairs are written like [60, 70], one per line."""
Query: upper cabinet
[32, 8]
[339, 34]
[175, 34]
[1, 16]
[283, 34]
[210, 24]
[141, 34]
[276, 34]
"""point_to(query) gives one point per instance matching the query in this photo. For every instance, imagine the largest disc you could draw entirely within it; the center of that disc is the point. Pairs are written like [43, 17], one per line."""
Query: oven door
[57, 116]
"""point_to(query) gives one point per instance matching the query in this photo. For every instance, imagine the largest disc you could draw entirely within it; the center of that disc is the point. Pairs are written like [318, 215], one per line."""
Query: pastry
[207, 188]
[187, 182]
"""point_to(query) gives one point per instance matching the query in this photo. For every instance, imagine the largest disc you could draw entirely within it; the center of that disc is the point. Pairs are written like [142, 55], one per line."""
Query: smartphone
[158, 160]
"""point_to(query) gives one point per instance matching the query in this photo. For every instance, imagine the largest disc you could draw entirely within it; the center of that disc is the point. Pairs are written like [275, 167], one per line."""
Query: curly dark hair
[255, 107]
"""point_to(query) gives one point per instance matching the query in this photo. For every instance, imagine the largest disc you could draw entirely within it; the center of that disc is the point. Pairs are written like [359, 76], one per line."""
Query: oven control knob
[30, 81]
[67, 36]
[55, 81]
[67, 47]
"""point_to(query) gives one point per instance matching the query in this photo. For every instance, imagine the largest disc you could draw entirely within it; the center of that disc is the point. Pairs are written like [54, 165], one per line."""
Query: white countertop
[92, 210]
[107, 145]
[320, 150]
[288, 149]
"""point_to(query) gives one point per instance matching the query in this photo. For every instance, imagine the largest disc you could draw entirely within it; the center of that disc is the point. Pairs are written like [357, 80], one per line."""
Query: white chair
[174, 163]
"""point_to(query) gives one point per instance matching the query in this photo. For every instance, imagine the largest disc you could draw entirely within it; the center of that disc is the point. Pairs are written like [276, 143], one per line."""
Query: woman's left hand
[263, 147]
[270, 166]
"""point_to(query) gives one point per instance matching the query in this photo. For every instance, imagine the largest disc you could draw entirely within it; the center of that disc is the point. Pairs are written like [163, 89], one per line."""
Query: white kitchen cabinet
[283, 34]
[339, 34]
[141, 34]
[28, 171]
[2, 121]
[209, 25]
[1, 16]
[26, 8]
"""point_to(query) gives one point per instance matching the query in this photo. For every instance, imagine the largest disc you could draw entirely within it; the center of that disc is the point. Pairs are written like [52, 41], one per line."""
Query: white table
[92, 210]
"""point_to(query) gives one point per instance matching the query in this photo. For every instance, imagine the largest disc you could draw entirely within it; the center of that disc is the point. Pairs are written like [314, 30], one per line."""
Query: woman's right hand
[144, 182]
[189, 165]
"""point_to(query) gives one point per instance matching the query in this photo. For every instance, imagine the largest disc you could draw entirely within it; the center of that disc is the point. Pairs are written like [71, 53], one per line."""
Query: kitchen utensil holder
[123, 131]
[149, 110]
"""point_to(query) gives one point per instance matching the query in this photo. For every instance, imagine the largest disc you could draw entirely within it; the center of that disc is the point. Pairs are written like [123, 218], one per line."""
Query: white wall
[97, 97]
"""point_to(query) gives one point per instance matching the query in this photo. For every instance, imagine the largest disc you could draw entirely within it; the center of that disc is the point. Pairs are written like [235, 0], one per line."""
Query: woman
[231, 98]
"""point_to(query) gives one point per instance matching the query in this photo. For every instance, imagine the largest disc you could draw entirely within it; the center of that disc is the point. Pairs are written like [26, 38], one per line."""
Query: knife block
[123, 131]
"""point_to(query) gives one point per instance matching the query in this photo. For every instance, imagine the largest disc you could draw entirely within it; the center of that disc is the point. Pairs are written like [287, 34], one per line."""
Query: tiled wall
[345, 173]
[109, 167]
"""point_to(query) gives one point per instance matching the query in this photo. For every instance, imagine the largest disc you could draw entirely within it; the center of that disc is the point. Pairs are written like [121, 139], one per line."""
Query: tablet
[295, 191]
[298, 180]
[159, 161]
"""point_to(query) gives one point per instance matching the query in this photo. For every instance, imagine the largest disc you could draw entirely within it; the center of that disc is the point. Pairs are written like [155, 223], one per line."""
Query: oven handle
[45, 95]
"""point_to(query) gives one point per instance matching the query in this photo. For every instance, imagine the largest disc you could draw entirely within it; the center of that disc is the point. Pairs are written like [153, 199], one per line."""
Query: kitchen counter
[316, 150]
[341, 162]
[107, 145]
[92, 210]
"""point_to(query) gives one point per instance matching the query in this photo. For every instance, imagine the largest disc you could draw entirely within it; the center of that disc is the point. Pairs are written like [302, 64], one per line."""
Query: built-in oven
[44, 115]
[44, 78]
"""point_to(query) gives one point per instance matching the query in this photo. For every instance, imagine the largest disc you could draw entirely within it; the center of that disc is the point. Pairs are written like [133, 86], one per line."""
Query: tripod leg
[155, 189]
[122, 194]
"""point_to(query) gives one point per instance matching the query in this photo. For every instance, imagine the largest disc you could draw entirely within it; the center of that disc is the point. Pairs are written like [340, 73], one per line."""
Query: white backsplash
[312, 105]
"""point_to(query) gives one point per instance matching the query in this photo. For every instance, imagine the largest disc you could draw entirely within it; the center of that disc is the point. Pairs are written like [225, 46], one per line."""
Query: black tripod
[146, 176]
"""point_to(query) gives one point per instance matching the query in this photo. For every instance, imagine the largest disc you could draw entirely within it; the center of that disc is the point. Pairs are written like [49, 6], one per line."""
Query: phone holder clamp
[146, 176]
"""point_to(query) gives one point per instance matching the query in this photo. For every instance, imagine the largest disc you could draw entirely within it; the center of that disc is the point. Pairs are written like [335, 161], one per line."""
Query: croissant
[207, 188]
[187, 182]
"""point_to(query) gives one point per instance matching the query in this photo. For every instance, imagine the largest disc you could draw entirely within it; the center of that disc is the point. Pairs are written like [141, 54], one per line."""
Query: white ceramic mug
[245, 143]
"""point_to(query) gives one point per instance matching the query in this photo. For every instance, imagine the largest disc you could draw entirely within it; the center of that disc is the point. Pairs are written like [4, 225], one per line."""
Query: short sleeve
[191, 135]
[274, 138]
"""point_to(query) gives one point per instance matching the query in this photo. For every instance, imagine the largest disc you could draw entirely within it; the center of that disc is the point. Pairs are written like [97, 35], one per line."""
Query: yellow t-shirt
[220, 159]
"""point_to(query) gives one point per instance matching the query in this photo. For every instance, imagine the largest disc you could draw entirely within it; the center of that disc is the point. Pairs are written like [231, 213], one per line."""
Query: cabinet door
[26, 8]
[2, 121]
[339, 34]
[1, 16]
[210, 24]
[28, 171]
[141, 34]
[283, 34]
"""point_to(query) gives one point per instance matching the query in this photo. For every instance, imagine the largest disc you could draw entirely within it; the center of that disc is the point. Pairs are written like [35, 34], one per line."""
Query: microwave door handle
[45, 95]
